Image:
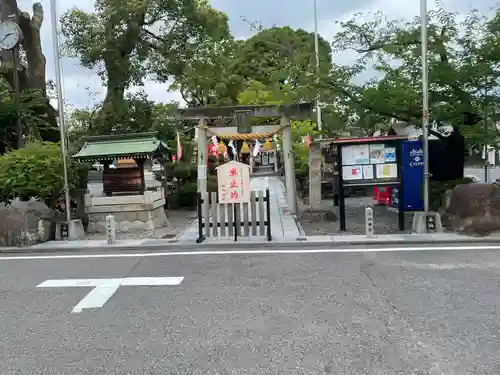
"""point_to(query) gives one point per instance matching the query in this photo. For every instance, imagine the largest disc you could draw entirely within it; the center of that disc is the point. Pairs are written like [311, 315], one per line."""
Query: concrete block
[420, 220]
[148, 197]
[142, 216]
[74, 229]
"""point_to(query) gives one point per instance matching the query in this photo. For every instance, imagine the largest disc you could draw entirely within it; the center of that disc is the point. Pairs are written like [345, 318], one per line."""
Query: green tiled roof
[120, 146]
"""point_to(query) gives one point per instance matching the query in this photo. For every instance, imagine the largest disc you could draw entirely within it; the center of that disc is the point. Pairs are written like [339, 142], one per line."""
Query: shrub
[187, 194]
[185, 172]
[34, 171]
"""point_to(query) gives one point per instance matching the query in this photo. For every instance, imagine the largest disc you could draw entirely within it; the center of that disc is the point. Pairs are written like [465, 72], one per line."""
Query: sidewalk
[282, 223]
[256, 243]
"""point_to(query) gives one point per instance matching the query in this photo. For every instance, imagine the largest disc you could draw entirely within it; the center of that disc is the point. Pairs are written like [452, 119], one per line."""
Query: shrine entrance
[240, 139]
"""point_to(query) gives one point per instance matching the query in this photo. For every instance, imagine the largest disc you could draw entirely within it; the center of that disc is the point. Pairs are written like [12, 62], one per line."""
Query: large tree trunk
[31, 72]
[117, 64]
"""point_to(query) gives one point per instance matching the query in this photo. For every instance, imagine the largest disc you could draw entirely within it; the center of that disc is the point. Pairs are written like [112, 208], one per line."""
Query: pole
[425, 102]
[60, 106]
[486, 160]
[17, 97]
[316, 52]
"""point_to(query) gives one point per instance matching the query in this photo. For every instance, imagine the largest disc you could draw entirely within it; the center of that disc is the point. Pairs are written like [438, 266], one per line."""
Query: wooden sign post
[233, 179]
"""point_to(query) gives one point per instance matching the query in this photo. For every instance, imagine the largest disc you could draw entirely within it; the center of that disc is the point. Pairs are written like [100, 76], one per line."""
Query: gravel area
[179, 220]
[386, 220]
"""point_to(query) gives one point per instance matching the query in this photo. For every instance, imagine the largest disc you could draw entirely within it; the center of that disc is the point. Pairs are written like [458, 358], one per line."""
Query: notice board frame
[392, 141]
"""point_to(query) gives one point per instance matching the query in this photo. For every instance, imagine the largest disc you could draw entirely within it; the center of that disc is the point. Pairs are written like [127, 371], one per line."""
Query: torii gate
[233, 123]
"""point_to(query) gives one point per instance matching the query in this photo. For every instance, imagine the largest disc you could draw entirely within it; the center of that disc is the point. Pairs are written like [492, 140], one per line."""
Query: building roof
[382, 138]
[108, 147]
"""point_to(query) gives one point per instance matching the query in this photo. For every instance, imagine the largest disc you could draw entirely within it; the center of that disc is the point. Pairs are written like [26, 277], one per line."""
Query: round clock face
[10, 35]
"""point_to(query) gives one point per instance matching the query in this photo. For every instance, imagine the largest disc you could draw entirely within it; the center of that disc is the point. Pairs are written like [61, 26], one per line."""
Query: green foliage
[117, 40]
[33, 171]
[282, 56]
[187, 194]
[33, 112]
[186, 172]
[438, 188]
[463, 74]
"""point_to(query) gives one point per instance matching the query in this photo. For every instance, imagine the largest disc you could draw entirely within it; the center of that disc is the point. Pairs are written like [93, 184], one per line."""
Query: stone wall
[132, 213]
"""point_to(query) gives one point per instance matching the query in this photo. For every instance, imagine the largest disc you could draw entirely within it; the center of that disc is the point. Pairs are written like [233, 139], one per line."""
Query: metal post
[425, 101]
[316, 52]
[486, 159]
[60, 106]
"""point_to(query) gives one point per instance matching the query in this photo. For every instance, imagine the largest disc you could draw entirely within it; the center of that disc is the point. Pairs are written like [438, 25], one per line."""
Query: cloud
[83, 88]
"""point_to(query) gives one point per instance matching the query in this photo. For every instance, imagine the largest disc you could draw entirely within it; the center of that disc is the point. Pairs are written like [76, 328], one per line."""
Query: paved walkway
[283, 225]
[260, 243]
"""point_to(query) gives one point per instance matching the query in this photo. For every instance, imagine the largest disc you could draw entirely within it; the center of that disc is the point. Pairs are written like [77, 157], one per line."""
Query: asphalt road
[419, 312]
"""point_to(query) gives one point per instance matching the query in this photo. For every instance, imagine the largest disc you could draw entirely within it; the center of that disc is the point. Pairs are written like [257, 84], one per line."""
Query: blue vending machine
[413, 176]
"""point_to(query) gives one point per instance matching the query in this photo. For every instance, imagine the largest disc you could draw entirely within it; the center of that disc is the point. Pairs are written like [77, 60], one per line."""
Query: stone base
[129, 221]
[420, 222]
[134, 213]
[75, 230]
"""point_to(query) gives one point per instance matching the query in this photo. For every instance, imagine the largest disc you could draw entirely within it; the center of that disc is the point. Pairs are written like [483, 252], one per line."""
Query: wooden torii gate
[234, 123]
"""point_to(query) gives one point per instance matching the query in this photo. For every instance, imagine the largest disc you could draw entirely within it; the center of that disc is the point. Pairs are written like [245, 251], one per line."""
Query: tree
[35, 171]
[259, 93]
[457, 68]
[206, 80]
[283, 56]
[32, 110]
[143, 116]
[125, 40]
[31, 72]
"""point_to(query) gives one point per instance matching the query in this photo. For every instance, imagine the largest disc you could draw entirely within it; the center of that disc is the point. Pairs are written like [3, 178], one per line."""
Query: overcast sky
[82, 88]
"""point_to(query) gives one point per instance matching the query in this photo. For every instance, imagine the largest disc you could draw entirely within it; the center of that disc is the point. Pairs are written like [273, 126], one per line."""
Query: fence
[235, 220]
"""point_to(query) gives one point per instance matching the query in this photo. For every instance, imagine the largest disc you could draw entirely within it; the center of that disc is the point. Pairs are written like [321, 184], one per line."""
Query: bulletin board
[369, 163]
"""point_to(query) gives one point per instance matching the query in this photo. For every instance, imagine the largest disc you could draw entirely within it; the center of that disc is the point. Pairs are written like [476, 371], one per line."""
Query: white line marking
[97, 296]
[249, 252]
[105, 288]
[152, 281]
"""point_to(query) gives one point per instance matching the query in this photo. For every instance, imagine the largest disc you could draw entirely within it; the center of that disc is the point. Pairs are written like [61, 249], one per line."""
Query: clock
[10, 35]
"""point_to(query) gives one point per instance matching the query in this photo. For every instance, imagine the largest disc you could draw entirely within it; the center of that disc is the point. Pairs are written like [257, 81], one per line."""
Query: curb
[298, 245]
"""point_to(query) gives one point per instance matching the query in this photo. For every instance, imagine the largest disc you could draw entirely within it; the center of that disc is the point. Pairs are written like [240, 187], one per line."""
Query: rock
[474, 209]
[19, 223]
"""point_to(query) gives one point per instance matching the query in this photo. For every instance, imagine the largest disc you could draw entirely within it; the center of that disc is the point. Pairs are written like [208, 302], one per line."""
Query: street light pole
[425, 101]
[316, 51]
[60, 106]
[486, 160]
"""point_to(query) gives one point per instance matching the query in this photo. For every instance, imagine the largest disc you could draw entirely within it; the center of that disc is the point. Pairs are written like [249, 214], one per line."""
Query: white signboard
[357, 154]
[387, 170]
[233, 181]
[377, 154]
[352, 172]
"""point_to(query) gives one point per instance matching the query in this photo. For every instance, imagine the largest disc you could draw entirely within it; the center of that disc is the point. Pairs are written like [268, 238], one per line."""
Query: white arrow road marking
[105, 288]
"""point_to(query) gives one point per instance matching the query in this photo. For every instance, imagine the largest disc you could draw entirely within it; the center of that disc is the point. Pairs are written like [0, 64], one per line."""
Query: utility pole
[316, 51]
[485, 115]
[17, 96]
[425, 101]
[60, 107]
